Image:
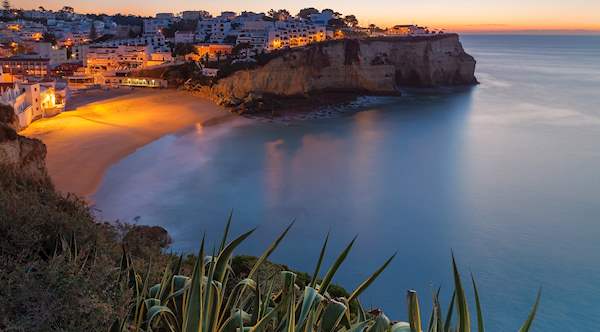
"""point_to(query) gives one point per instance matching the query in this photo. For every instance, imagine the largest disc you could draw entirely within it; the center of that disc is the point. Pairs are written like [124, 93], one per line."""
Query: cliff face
[376, 66]
[20, 154]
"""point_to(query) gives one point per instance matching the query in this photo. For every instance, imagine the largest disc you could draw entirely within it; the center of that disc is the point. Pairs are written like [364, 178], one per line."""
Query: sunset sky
[456, 15]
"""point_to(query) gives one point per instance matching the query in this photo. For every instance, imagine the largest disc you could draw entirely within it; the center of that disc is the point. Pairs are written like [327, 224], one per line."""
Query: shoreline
[104, 126]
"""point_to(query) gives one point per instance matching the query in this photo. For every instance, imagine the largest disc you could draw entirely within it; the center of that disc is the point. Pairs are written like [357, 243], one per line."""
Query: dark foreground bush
[45, 287]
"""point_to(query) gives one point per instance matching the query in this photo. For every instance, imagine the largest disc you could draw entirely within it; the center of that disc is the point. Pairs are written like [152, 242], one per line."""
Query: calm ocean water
[506, 174]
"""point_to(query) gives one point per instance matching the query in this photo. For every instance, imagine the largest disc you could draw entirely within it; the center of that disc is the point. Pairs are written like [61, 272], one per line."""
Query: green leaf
[464, 321]
[291, 320]
[360, 326]
[226, 232]
[236, 295]
[527, 325]
[365, 284]
[193, 313]
[450, 312]
[332, 315]
[480, 327]
[310, 299]
[313, 282]
[154, 291]
[382, 324]
[435, 321]
[414, 312]
[264, 322]
[269, 251]
[157, 310]
[225, 256]
[333, 269]
[234, 321]
[401, 327]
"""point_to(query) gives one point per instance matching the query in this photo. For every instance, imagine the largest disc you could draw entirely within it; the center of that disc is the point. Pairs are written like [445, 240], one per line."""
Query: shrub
[212, 300]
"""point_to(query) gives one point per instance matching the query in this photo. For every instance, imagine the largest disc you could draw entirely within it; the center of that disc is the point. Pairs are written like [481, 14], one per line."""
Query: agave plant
[204, 302]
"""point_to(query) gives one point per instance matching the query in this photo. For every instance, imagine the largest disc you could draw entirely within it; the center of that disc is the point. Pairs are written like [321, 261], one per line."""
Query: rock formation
[17, 153]
[375, 66]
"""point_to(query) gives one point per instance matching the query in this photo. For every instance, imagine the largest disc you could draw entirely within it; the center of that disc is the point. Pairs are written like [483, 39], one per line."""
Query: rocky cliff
[17, 153]
[375, 65]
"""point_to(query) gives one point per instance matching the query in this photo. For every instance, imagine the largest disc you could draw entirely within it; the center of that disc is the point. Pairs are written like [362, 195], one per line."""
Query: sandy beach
[106, 126]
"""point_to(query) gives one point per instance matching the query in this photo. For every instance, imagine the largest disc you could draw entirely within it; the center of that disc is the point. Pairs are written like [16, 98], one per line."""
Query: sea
[505, 175]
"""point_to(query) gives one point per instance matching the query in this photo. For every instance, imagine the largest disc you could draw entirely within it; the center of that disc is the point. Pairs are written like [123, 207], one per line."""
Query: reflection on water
[505, 174]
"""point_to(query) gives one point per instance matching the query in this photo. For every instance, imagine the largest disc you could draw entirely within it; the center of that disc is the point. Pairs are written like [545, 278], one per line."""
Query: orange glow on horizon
[456, 16]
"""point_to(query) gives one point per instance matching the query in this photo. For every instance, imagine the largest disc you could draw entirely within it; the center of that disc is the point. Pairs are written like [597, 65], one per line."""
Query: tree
[230, 39]
[332, 12]
[132, 34]
[67, 9]
[184, 49]
[49, 37]
[337, 23]
[41, 8]
[204, 14]
[351, 21]
[239, 48]
[306, 12]
[279, 15]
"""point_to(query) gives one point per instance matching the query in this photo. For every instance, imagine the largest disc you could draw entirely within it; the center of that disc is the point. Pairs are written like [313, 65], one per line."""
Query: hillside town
[45, 55]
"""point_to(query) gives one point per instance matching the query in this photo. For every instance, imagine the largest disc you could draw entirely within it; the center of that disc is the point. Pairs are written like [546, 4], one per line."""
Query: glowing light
[277, 43]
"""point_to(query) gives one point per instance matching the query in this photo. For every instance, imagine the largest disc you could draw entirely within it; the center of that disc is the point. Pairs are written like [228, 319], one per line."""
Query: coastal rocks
[365, 66]
[17, 153]
[142, 240]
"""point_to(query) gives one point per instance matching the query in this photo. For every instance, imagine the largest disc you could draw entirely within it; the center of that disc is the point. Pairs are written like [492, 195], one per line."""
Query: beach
[102, 127]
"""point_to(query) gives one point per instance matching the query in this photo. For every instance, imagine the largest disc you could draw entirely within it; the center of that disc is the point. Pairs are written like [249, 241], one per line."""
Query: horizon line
[469, 28]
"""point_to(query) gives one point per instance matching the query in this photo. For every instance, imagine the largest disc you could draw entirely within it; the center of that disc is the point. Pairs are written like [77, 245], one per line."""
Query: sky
[576, 16]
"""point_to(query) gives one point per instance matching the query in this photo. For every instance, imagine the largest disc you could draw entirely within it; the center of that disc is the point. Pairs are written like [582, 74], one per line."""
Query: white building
[79, 54]
[38, 14]
[322, 18]
[156, 42]
[153, 26]
[55, 54]
[294, 33]
[191, 15]
[32, 101]
[406, 30]
[112, 59]
[185, 37]
[165, 16]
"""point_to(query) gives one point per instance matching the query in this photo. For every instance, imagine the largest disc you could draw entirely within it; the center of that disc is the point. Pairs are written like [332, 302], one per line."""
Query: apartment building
[294, 33]
[57, 55]
[156, 42]
[122, 58]
[152, 26]
[406, 30]
[26, 65]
